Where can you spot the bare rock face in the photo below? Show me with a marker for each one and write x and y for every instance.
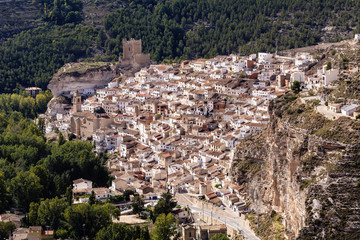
(75, 76)
(57, 105)
(305, 168)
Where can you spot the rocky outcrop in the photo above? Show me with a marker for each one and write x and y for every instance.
(57, 105)
(306, 168)
(75, 76)
(84, 75)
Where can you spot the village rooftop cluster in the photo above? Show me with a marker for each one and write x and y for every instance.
(176, 127)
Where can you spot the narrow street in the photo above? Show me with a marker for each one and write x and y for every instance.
(225, 216)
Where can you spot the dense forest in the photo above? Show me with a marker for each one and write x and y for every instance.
(32, 57)
(190, 29)
(170, 30)
(34, 168)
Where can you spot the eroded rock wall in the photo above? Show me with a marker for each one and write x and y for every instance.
(308, 173)
(75, 76)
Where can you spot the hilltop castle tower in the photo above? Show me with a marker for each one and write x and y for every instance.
(132, 54)
(131, 48)
(76, 102)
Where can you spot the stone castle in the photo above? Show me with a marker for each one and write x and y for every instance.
(132, 54)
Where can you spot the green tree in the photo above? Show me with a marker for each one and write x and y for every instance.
(122, 231)
(73, 160)
(4, 195)
(138, 205)
(6, 228)
(92, 198)
(42, 173)
(62, 233)
(41, 125)
(26, 188)
(71, 136)
(41, 103)
(50, 212)
(328, 66)
(69, 195)
(61, 139)
(80, 218)
(127, 194)
(165, 227)
(32, 216)
(164, 205)
(296, 87)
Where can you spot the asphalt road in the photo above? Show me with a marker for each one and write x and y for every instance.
(234, 222)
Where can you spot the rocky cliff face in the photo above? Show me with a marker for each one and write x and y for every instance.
(75, 76)
(305, 168)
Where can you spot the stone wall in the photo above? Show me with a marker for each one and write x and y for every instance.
(132, 54)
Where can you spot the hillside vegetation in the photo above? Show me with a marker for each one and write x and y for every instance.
(188, 29)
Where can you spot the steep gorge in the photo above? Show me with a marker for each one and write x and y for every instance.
(305, 168)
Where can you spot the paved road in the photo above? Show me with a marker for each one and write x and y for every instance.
(234, 222)
(322, 109)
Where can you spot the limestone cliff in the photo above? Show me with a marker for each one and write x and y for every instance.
(75, 76)
(306, 168)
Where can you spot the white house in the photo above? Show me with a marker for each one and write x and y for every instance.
(264, 56)
(82, 184)
(349, 110)
(181, 215)
(334, 107)
(329, 76)
(101, 193)
(357, 37)
(113, 84)
(298, 76)
(119, 184)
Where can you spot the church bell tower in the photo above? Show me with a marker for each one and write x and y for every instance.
(76, 102)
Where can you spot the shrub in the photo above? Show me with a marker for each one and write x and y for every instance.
(296, 87)
(71, 136)
(328, 66)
